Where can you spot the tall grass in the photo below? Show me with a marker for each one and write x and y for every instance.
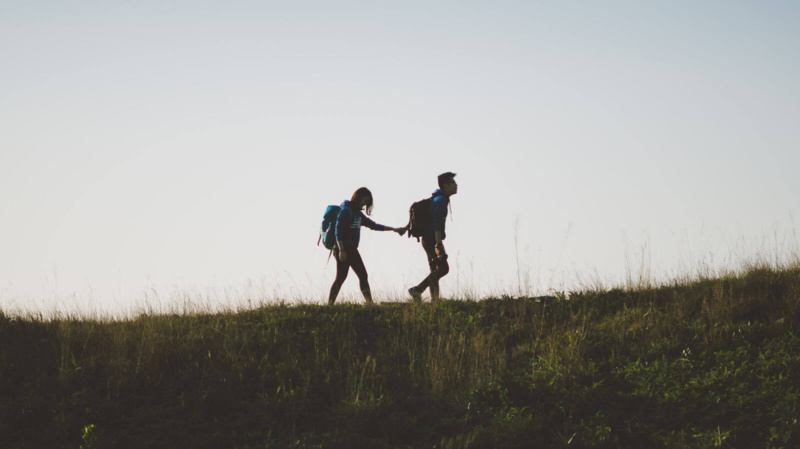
(695, 362)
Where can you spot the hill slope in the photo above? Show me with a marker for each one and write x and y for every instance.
(711, 363)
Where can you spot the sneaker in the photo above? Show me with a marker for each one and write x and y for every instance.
(416, 295)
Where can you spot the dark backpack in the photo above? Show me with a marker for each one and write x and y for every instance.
(419, 218)
(327, 233)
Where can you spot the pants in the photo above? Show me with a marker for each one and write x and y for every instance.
(342, 268)
(439, 269)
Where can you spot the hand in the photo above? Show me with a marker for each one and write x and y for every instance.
(400, 231)
(342, 256)
(440, 252)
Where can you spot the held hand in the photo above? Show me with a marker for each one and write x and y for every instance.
(400, 231)
(343, 256)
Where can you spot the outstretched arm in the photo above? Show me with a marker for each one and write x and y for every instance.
(366, 221)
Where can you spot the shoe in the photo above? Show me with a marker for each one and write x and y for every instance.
(416, 295)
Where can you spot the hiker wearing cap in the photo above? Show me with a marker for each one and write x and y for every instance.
(433, 238)
(348, 234)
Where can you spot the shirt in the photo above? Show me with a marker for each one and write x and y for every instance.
(349, 222)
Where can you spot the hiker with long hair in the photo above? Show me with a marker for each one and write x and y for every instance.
(433, 238)
(348, 234)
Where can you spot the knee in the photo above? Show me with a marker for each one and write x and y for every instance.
(439, 267)
(339, 280)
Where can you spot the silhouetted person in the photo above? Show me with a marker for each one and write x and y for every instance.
(433, 240)
(348, 234)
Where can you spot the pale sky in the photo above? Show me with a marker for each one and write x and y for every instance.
(189, 148)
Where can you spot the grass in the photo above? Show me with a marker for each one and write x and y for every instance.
(707, 362)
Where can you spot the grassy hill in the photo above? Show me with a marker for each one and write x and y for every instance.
(705, 363)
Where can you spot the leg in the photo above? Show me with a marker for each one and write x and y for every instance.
(357, 264)
(417, 291)
(341, 274)
(439, 269)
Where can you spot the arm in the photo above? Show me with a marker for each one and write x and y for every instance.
(439, 247)
(439, 213)
(342, 252)
(438, 217)
(343, 221)
(366, 221)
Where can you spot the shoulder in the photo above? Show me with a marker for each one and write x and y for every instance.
(344, 209)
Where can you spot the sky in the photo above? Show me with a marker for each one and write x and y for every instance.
(185, 151)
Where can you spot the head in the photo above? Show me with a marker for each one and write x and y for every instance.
(447, 182)
(362, 198)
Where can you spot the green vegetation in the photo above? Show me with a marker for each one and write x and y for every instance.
(704, 363)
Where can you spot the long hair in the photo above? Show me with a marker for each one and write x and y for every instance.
(359, 195)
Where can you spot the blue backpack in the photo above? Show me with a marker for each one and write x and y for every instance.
(327, 233)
